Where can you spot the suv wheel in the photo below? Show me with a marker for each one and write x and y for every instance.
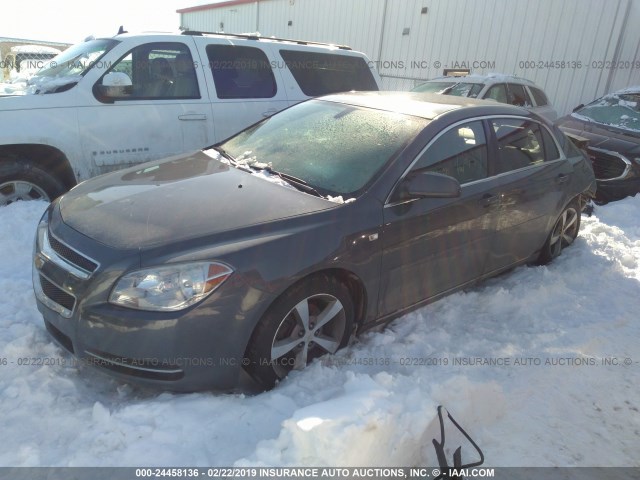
(26, 181)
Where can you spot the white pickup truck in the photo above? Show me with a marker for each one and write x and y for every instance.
(110, 103)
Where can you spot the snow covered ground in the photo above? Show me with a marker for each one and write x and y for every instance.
(552, 402)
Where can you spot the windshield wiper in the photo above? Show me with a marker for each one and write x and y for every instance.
(232, 160)
(290, 179)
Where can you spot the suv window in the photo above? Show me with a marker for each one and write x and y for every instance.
(539, 96)
(520, 144)
(518, 96)
(241, 72)
(460, 152)
(497, 92)
(324, 73)
(159, 71)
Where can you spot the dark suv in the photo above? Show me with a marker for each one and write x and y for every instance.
(612, 126)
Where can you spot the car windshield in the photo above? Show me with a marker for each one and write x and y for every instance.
(617, 110)
(335, 148)
(71, 64)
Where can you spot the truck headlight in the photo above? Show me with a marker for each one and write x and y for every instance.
(169, 288)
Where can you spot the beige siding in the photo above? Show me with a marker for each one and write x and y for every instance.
(483, 35)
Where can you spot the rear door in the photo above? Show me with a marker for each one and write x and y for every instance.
(534, 178)
(243, 84)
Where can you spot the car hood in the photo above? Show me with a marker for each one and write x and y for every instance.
(179, 198)
(603, 136)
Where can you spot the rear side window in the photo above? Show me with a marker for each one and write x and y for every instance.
(550, 149)
(539, 96)
(518, 96)
(460, 152)
(241, 72)
(324, 73)
(520, 144)
(498, 93)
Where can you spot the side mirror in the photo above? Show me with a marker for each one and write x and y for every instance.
(114, 85)
(429, 185)
(578, 107)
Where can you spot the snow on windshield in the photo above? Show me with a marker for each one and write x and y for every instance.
(620, 109)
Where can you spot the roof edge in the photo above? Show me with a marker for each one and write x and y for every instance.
(209, 6)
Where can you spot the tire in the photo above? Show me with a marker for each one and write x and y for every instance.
(22, 180)
(289, 335)
(564, 232)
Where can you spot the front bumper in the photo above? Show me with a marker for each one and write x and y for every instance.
(201, 347)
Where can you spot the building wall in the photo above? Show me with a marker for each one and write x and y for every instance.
(569, 48)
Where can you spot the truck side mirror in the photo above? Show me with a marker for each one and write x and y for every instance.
(114, 86)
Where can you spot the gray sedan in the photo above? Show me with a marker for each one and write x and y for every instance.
(232, 266)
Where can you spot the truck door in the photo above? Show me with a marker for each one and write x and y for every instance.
(159, 107)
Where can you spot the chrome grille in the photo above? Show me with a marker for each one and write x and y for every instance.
(71, 255)
(56, 294)
(608, 165)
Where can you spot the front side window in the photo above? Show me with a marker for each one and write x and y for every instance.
(520, 144)
(518, 95)
(460, 152)
(325, 73)
(241, 72)
(157, 71)
(338, 149)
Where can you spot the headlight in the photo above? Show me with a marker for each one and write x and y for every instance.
(169, 288)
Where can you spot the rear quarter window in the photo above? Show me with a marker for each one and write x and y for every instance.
(324, 73)
(539, 97)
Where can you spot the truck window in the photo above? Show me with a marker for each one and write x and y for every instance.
(241, 72)
(324, 73)
(159, 71)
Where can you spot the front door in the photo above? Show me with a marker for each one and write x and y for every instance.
(434, 245)
(164, 111)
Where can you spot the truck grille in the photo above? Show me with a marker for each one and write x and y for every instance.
(71, 255)
(56, 294)
(608, 165)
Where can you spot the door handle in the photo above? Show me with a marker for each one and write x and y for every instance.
(488, 200)
(192, 116)
(562, 178)
(268, 113)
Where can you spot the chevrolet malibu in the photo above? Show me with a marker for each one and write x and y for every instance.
(235, 265)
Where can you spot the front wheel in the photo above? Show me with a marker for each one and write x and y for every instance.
(26, 181)
(311, 319)
(564, 232)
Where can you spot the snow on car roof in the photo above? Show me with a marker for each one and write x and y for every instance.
(423, 105)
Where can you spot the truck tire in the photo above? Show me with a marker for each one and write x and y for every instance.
(22, 180)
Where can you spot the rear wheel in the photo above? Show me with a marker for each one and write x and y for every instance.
(26, 181)
(564, 232)
(311, 319)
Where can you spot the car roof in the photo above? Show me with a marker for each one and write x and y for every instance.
(488, 78)
(423, 105)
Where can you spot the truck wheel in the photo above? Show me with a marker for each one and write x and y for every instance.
(26, 181)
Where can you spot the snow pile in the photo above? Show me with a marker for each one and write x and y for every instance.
(541, 366)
